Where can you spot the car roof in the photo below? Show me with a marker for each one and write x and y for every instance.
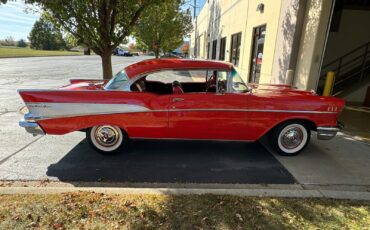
(152, 65)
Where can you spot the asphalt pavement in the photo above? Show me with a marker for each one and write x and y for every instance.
(70, 158)
(173, 162)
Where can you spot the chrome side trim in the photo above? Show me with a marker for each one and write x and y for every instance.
(41, 111)
(32, 127)
(44, 110)
(327, 133)
(30, 117)
(252, 110)
(37, 118)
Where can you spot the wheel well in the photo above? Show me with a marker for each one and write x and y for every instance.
(308, 123)
(85, 129)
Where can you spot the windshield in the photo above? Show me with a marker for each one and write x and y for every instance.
(117, 81)
(237, 83)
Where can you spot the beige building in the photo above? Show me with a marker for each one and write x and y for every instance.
(285, 41)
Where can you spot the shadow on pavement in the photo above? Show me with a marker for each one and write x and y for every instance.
(173, 162)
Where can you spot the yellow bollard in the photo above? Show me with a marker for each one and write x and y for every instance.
(329, 83)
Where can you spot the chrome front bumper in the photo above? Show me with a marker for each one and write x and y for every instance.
(327, 133)
(32, 127)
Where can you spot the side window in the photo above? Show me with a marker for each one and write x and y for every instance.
(216, 81)
(183, 81)
(172, 82)
(182, 76)
(222, 81)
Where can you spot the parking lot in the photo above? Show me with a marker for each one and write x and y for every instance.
(342, 161)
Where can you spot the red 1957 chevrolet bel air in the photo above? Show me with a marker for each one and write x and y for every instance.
(181, 99)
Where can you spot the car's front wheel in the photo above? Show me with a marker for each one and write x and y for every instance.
(107, 138)
(290, 138)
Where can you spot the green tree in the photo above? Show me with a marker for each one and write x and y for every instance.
(163, 26)
(71, 41)
(22, 43)
(45, 36)
(98, 24)
(141, 46)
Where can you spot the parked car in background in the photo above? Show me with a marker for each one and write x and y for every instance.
(170, 55)
(122, 52)
(181, 99)
(127, 54)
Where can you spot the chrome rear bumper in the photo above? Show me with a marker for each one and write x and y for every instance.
(32, 127)
(327, 133)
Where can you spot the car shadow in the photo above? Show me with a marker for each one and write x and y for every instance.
(156, 161)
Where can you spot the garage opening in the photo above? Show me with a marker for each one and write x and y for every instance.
(347, 51)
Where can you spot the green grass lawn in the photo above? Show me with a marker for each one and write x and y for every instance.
(11, 51)
(101, 211)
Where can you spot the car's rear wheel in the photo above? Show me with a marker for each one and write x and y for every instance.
(107, 138)
(290, 138)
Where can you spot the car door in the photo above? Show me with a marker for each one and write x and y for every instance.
(219, 115)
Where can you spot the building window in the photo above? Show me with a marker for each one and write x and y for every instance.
(208, 51)
(214, 49)
(257, 53)
(222, 49)
(235, 48)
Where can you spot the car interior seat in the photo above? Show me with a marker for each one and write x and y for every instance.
(176, 88)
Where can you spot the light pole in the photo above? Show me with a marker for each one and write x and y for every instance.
(195, 29)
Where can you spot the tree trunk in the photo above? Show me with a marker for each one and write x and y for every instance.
(156, 51)
(106, 58)
(87, 51)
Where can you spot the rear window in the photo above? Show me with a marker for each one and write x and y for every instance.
(117, 81)
(168, 76)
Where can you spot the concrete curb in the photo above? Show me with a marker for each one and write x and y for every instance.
(281, 193)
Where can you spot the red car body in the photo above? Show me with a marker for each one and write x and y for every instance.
(242, 116)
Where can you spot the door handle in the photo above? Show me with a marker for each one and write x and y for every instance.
(177, 99)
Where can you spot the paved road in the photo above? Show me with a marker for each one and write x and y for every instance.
(69, 158)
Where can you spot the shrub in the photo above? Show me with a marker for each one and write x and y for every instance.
(22, 43)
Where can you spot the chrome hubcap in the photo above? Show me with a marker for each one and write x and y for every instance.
(106, 136)
(292, 138)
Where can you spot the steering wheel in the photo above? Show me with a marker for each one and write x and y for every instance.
(140, 85)
(211, 83)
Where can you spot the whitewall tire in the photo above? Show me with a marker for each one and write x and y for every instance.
(290, 138)
(106, 138)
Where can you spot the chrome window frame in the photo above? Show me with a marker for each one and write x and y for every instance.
(126, 87)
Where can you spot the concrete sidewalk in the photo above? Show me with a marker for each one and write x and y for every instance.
(281, 191)
(341, 161)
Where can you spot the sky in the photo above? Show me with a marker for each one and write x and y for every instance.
(190, 4)
(15, 22)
